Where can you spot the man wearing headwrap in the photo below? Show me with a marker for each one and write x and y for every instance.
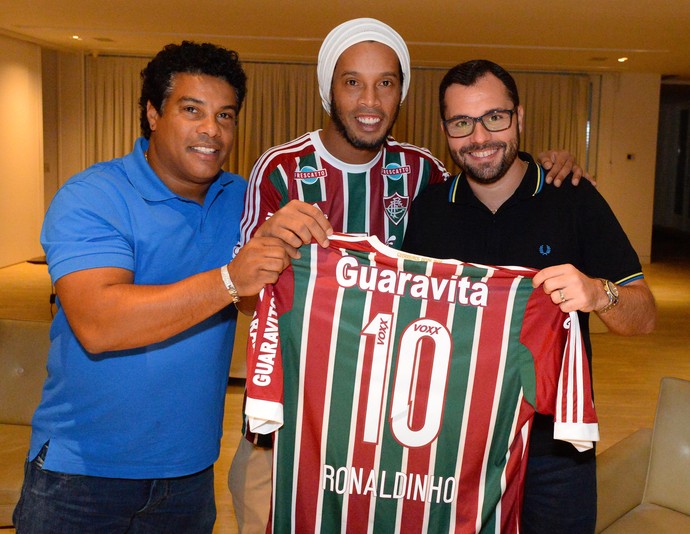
(351, 176)
(351, 33)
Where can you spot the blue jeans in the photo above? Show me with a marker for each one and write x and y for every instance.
(58, 503)
(560, 495)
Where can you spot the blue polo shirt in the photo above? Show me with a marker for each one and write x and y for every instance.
(155, 411)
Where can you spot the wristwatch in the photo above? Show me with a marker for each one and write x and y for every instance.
(611, 293)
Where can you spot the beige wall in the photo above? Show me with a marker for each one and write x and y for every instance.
(21, 157)
(49, 75)
(63, 118)
(71, 106)
(628, 126)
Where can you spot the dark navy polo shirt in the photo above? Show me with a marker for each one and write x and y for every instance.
(540, 225)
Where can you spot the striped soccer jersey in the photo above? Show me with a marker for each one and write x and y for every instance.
(404, 389)
(372, 198)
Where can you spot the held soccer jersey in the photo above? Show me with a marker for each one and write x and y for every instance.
(403, 389)
(372, 198)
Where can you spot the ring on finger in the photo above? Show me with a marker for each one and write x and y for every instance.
(562, 295)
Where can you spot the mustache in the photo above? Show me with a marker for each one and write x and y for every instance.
(369, 111)
(475, 147)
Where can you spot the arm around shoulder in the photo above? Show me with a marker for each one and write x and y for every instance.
(560, 164)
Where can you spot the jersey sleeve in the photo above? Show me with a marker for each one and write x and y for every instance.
(262, 199)
(439, 173)
(264, 386)
(575, 420)
(563, 380)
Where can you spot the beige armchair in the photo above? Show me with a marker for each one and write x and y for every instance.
(23, 353)
(644, 480)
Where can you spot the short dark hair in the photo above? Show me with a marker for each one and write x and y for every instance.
(192, 58)
(469, 72)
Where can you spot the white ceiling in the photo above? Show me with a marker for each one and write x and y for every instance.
(575, 35)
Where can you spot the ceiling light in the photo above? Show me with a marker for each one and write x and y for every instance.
(76, 38)
(622, 59)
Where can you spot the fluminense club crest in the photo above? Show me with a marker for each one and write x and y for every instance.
(396, 207)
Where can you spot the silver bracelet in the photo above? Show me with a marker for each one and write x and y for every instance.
(225, 275)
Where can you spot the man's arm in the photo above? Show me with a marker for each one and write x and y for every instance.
(295, 224)
(572, 290)
(107, 311)
(559, 164)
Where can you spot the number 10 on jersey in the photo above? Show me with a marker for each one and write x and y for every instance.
(405, 400)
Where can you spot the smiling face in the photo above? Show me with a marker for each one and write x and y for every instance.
(192, 136)
(484, 156)
(366, 95)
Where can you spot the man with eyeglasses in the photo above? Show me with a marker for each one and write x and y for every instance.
(500, 211)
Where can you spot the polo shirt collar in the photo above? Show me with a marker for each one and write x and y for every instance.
(531, 185)
(149, 185)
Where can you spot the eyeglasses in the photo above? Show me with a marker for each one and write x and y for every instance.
(494, 121)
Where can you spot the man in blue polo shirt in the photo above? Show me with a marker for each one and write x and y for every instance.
(140, 251)
(500, 211)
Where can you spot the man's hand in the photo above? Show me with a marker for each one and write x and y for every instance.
(296, 224)
(259, 262)
(570, 289)
(292, 226)
(559, 164)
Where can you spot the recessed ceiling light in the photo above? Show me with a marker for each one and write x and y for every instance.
(622, 59)
(76, 38)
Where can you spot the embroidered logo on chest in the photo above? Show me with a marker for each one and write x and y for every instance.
(395, 207)
(309, 175)
(395, 171)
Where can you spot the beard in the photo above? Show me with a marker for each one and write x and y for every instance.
(487, 173)
(350, 136)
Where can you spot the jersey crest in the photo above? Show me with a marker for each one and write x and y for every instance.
(396, 207)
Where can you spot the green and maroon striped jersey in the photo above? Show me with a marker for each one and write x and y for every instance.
(372, 198)
(403, 389)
